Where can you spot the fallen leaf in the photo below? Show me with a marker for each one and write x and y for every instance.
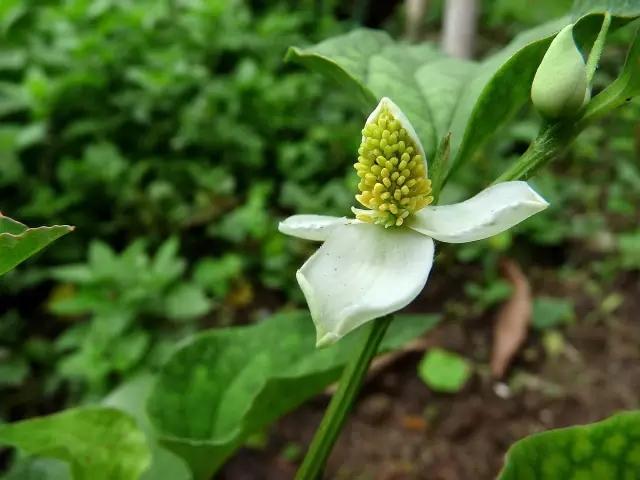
(415, 423)
(512, 321)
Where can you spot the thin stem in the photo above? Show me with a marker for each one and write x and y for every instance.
(598, 45)
(552, 141)
(336, 414)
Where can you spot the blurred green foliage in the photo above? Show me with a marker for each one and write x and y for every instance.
(142, 121)
(173, 136)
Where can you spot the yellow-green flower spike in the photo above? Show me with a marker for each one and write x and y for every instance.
(392, 169)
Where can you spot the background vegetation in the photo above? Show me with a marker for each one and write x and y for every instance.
(174, 137)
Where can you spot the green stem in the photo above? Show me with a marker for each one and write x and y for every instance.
(598, 45)
(552, 141)
(336, 413)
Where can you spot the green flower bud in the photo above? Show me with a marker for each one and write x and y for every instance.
(560, 87)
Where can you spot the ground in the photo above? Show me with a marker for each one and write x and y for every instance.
(401, 430)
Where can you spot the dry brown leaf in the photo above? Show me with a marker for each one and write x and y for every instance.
(415, 423)
(512, 321)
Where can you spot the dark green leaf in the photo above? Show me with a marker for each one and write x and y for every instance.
(605, 450)
(234, 381)
(99, 443)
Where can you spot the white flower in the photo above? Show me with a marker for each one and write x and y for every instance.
(379, 262)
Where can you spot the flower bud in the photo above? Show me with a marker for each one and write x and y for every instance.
(560, 87)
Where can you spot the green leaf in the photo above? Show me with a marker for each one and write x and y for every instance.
(618, 8)
(422, 81)
(444, 371)
(131, 398)
(18, 242)
(235, 381)
(623, 88)
(98, 443)
(605, 450)
(549, 312)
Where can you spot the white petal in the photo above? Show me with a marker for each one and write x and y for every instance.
(490, 212)
(406, 124)
(312, 227)
(363, 272)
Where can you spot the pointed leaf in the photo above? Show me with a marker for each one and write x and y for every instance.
(18, 242)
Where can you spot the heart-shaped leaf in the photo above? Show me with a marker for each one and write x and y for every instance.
(227, 383)
(603, 450)
(98, 443)
(18, 242)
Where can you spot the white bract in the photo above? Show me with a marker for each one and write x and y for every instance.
(379, 261)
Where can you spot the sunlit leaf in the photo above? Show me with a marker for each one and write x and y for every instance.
(98, 443)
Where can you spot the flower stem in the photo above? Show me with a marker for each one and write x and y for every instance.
(552, 141)
(336, 414)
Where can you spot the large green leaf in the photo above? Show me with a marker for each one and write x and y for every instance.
(420, 79)
(609, 449)
(440, 95)
(18, 242)
(98, 443)
(227, 383)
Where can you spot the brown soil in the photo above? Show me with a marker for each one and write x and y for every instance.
(399, 429)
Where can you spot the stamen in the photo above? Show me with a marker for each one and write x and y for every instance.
(394, 181)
